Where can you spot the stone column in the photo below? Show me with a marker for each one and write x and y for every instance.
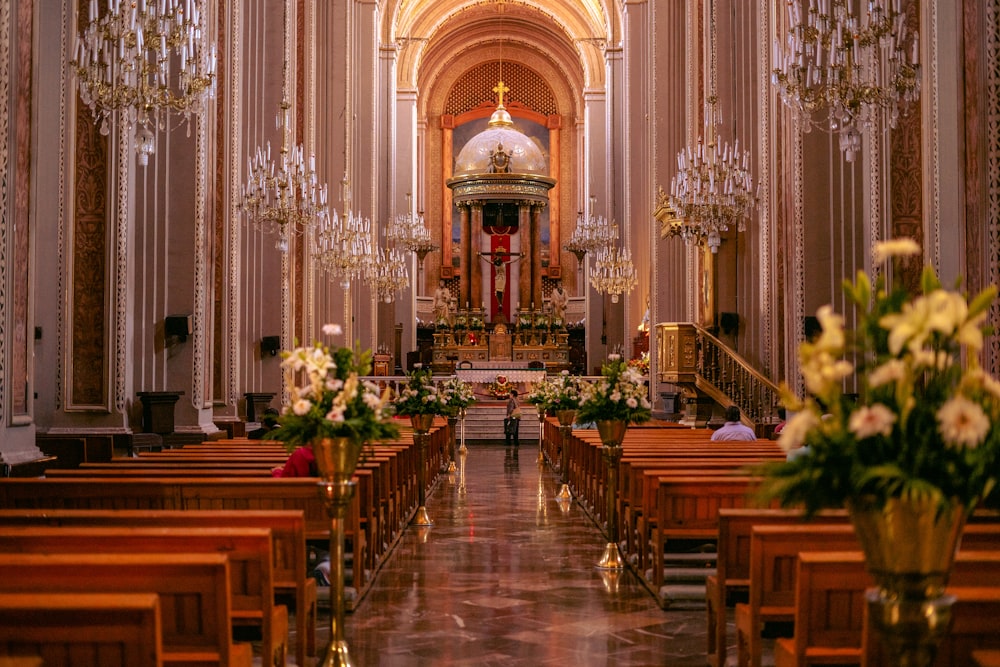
(473, 259)
(525, 226)
(465, 261)
(536, 255)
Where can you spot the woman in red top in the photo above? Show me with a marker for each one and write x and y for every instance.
(301, 463)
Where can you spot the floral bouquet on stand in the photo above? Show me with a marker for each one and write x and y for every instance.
(620, 395)
(911, 453)
(923, 423)
(457, 396)
(562, 392)
(420, 396)
(333, 401)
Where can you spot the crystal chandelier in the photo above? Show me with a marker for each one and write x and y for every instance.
(143, 58)
(411, 232)
(852, 68)
(344, 246)
(387, 273)
(283, 197)
(591, 233)
(713, 188)
(612, 272)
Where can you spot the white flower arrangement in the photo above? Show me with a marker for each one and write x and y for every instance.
(457, 395)
(619, 396)
(332, 400)
(924, 423)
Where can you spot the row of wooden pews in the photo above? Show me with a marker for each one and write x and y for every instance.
(199, 501)
(810, 576)
(672, 482)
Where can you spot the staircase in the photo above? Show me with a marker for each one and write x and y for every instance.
(484, 421)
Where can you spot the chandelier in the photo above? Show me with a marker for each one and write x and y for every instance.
(411, 232)
(387, 273)
(849, 67)
(283, 197)
(713, 188)
(612, 272)
(142, 58)
(591, 233)
(344, 246)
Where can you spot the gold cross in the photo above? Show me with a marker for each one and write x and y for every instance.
(500, 89)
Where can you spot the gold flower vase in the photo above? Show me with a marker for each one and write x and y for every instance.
(421, 426)
(612, 432)
(336, 459)
(909, 548)
(566, 419)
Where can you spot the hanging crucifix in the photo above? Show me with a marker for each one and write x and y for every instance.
(500, 259)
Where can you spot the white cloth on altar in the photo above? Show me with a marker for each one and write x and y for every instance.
(487, 375)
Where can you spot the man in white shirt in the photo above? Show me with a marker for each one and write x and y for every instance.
(734, 429)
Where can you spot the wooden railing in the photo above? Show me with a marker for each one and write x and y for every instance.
(688, 355)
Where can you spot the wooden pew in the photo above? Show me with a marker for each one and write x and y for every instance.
(733, 563)
(773, 559)
(288, 540)
(248, 549)
(830, 609)
(83, 629)
(687, 507)
(193, 591)
(775, 550)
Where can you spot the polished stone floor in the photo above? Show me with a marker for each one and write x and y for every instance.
(506, 576)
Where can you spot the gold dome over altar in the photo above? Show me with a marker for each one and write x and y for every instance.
(501, 148)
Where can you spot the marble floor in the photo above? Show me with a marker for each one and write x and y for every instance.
(506, 576)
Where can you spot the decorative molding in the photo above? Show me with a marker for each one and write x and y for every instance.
(122, 283)
(5, 182)
(198, 359)
(234, 289)
(765, 239)
(64, 80)
(797, 301)
(991, 249)
(933, 216)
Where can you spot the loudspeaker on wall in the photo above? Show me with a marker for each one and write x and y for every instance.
(180, 326)
(269, 346)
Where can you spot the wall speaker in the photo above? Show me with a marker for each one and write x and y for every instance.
(729, 323)
(811, 327)
(269, 346)
(179, 326)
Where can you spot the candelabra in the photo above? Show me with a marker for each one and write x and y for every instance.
(851, 67)
(712, 190)
(613, 272)
(143, 59)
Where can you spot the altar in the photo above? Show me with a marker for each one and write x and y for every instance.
(488, 372)
(535, 349)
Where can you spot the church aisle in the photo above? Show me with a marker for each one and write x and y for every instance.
(506, 577)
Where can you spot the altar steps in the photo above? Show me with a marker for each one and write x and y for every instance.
(484, 421)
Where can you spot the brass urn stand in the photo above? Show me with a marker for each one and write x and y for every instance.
(612, 433)
(421, 426)
(452, 424)
(336, 459)
(566, 419)
(909, 548)
(541, 434)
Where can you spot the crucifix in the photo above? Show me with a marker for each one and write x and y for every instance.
(500, 259)
(500, 89)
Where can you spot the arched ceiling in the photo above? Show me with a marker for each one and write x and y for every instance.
(430, 32)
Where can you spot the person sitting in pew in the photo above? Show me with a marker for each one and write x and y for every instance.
(734, 429)
(301, 463)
